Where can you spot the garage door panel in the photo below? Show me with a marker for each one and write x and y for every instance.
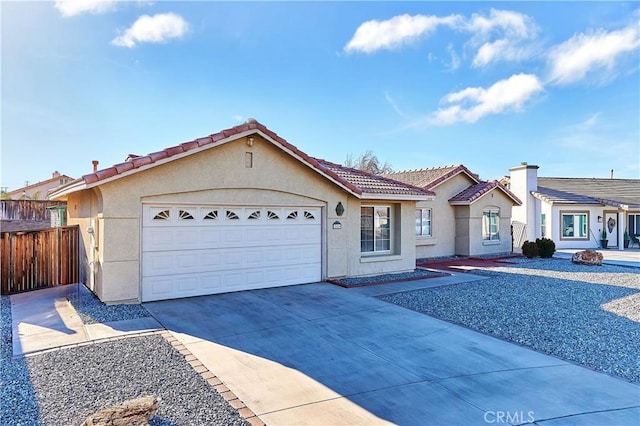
(196, 250)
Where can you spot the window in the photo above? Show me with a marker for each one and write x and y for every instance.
(375, 229)
(491, 225)
(162, 215)
(184, 215)
(423, 222)
(543, 225)
(212, 215)
(574, 225)
(634, 224)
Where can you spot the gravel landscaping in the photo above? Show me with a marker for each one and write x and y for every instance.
(583, 314)
(63, 387)
(417, 274)
(92, 311)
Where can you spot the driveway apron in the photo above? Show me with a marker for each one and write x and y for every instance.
(321, 354)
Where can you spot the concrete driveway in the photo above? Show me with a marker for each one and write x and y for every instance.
(324, 355)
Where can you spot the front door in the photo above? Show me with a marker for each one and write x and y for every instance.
(611, 225)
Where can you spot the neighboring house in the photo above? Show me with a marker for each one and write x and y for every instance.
(39, 190)
(237, 210)
(30, 215)
(574, 211)
(468, 217)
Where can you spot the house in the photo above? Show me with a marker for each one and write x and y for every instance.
(39, 190)
(237, 210)
(574, 211)
(468, 217)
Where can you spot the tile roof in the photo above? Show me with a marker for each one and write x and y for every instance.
(359, 183)
(430, 178)
(623, 193)
(370, 183)
(474, 192)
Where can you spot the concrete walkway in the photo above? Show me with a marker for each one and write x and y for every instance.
(44, 319)
(319, 354)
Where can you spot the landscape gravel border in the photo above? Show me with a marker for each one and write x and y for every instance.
(550, 305)
(65, 385)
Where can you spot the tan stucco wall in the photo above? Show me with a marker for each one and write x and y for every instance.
(443, 240)
(219, 176)
(476, 246)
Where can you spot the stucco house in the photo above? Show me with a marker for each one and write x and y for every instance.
(39, 190)
(574, 211)
(468, 217)
(239, 209)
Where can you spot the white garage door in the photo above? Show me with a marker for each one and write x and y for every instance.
(198, 250)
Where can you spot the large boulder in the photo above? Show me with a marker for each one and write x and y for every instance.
(135, 412)
(587, 257)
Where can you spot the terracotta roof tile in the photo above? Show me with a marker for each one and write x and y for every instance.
(354, 180)
(157, 156)
(474, 192)
(142, 161)
(106, 173)
(432, 177)
(123, 167)
(373, 184)
(187, 146)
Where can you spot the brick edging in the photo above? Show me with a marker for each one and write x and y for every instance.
(213, 380)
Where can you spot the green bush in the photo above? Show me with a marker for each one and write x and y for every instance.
(546, 247)
(530, 249)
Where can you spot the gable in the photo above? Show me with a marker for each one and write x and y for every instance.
(247, 134)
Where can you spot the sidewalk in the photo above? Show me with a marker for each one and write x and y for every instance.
(44, 319)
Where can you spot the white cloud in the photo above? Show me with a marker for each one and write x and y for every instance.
(473, 103)
(76, 7)
(501, 50)
(513, 24)
(500, 35)
(395, 106)
(571, 61)
(153, 29)
(455, 59)
(395, 32)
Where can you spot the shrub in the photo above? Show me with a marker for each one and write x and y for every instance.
(530, 249)
(546, 247)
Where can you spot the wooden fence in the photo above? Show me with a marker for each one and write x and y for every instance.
(38, 259)
(28, 209)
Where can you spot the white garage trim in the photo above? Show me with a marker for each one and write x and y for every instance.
(193, 250)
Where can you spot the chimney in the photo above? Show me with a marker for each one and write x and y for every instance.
(611, 173)
(55, 175)
(95, 165)
(523, 180)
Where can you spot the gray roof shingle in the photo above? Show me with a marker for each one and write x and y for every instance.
(615, 192)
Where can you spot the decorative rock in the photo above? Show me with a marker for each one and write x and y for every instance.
(135, 412)
(587, 257)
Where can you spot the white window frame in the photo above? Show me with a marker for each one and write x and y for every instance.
(487, 233)
(543, 225)
(420, 222)
(377, 230)
(584, 235)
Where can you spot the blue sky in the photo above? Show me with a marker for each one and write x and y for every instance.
(421, 84)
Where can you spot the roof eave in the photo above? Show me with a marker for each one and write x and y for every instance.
(77, 185)
(395, 197)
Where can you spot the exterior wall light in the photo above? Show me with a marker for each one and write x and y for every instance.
(339, 209)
